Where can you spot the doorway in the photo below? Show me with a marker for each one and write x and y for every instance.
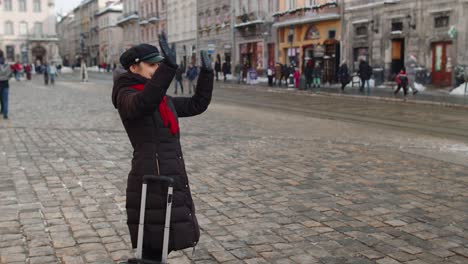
(442, 63)
(398, 55)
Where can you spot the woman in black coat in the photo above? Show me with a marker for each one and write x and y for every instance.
(343, 75)
(150, 120)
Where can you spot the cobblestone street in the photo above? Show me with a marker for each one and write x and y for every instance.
(277, 177)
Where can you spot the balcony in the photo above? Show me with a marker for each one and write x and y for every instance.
(248, 20)
(128, 17)
(42, 37)
(153, 18)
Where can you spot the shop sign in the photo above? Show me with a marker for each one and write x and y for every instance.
(312, 33)
(319, 51)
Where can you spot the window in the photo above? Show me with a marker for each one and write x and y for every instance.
(397, 26)
(271, 6)
(7, 5)
(10, 52)
(361, 30)
(22, 5)
(37, 6)
(23, 28)
(9, 28)
(290, 4)
(38, 28)
(310, 2)
(441, 21)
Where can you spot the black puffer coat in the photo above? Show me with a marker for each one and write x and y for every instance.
(155, 148)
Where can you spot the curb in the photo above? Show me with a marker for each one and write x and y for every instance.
(357, 97)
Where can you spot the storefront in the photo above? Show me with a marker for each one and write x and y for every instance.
(316, 41)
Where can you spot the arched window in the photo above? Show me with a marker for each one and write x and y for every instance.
(38, 28)
(37, 6)
(22, 5)
(9, 28)
(23, 28)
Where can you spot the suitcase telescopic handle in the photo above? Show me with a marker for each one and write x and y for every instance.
(158, 179)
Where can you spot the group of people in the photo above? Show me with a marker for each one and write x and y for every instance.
(49, 71)
(190, 74)
(225, 68)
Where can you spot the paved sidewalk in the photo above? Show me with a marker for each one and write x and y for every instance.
(270, 186)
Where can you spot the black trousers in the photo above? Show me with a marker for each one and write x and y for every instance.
(270, 80)
(405, 89)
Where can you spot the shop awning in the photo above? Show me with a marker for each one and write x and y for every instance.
(305, 20)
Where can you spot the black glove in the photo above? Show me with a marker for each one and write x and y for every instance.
(205, 61)
(168, 53)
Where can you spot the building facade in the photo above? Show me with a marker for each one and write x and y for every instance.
(387, 33)
(68, 39)
(310, 31)
(182, 29)
(27, 31)
(152, 20)
(215, 28)
(110, 35)
(254, 35)
(129, 23)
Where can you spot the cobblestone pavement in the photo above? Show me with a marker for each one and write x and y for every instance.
(271, 185)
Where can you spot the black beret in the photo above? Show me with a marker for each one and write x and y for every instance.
(142, 52)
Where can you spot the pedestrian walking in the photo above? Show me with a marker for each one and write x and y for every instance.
(179, 80)
(150, 119)
(245, 70)
(270, 74)
(238, 72)
(278, 74)
(52, 70)
(191, 75)
(225, 69)
(411, 72)
(402, 82)
(45, 72)
(365, 73)
(343, 75)
(27, 70)
(218, 66)
(297, 76)
(308, 72)
(5, 75)
(317, 75)
(18, 69)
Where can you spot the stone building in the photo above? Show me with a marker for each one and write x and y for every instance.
(387, 33)
(309, 31)
(254, 36)
(88, 30)
(182, 29)
(129, 23)
(110, 35)
(27, 31)
(152, 20)
(215, 31)
(68, 39)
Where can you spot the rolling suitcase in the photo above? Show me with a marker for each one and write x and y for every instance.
(161, 180)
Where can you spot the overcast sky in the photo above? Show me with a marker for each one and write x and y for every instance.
(65, 5)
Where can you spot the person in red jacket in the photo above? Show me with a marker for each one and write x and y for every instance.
(402, 82)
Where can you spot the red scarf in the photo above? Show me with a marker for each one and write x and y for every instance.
(167, 116)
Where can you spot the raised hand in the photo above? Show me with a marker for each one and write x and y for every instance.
(205, 61)
(168, 53)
